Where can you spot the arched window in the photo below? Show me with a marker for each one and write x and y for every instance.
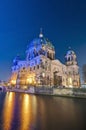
(68, 58)
(34, 67)
(23, 68)
(37, 66)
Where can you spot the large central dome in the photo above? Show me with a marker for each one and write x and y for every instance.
(41, 40)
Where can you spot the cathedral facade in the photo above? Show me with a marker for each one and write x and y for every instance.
(40, 68)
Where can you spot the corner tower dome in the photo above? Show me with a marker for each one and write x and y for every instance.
(16, 60)
(70, 57)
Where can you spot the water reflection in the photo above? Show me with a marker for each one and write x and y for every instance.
(25, 117)
(30, 112)
(19, 112)
(8, 110)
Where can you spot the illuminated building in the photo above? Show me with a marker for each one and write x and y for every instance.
(40, 68)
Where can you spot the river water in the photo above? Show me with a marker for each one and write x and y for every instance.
(20, 111)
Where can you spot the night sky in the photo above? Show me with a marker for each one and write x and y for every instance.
(63, 23)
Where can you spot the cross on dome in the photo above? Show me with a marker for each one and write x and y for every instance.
(41, 34)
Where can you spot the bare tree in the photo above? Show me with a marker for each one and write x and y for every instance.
(84, 72)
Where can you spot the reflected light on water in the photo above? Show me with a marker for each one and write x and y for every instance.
(34, 105)
(8, 110)
(29, 112)
(25, 116)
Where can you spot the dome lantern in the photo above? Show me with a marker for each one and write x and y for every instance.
(41, 34)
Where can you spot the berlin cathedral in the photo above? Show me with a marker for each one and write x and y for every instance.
(40, 68)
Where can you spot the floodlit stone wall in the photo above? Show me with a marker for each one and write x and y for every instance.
(62, 91)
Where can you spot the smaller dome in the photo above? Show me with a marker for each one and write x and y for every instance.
(70, 52)
(16, 59)
(70, 57)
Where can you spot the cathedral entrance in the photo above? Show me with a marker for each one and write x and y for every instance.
(57, 79)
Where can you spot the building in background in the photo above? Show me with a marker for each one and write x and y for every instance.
(40, 68)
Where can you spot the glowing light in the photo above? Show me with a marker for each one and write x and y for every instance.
(40, 35)
(30, 80)
(8, 84)
(34, 82)
(13, 82)
(25, 116)
(43, 74)
(13, 79)
(38, 81)
(25, 87)
(8, 110)
(70, 82)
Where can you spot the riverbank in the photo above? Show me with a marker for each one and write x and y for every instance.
(61, 92)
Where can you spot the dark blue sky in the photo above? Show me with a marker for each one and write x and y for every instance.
(63, 22)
